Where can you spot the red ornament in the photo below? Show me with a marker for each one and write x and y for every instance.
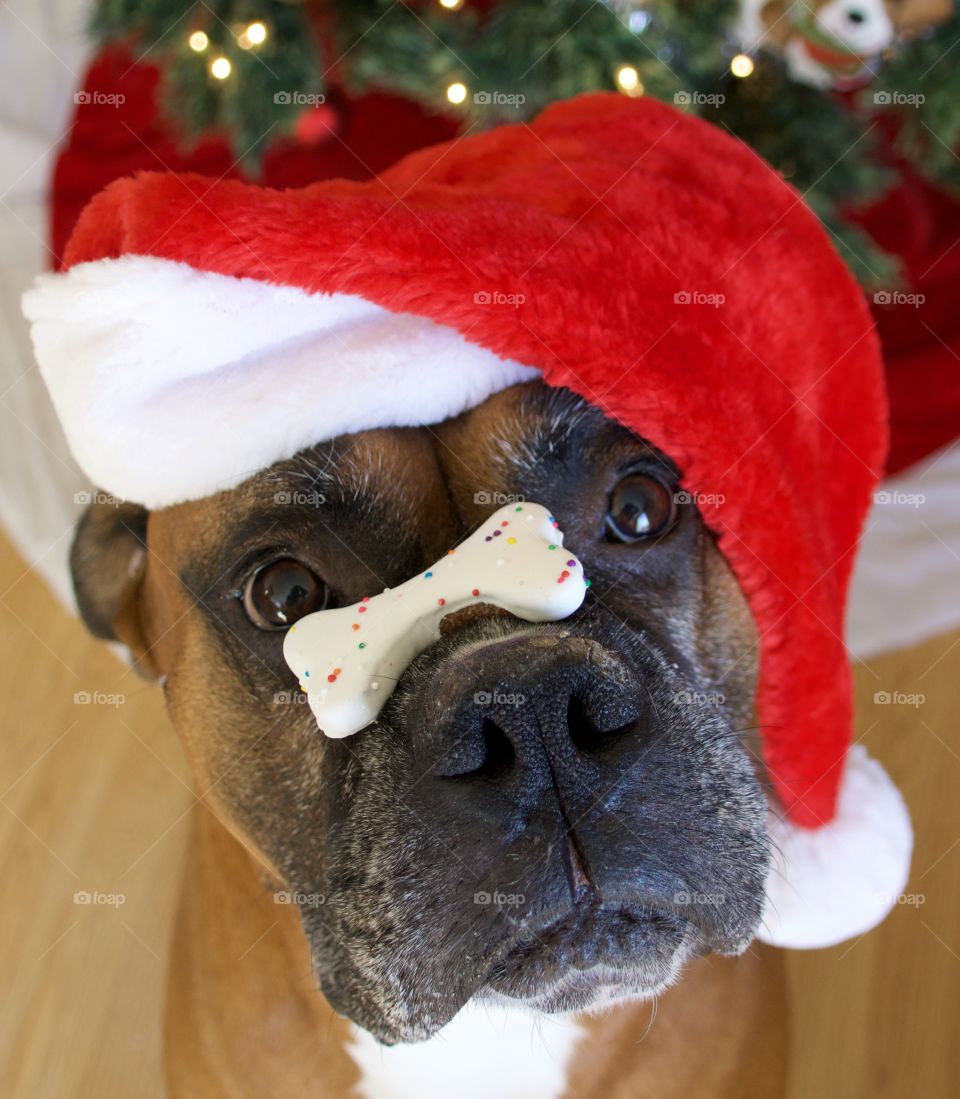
(316, 125)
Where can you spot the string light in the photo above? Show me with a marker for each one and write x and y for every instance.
(198, 41)
(257, 33)
(254, 34)
(628, 80)
(456, 92)
(741, 65)
(220, 68)
(451, 5)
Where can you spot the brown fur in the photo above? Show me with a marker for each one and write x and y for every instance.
(245, 1016)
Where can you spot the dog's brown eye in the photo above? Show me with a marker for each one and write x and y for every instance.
(640, 507)
(278, 594)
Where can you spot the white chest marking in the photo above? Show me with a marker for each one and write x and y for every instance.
(486, 1052)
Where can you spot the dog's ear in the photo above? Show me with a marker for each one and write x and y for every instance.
(108, 560)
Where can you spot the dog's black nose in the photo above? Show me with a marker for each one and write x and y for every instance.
(524, 712)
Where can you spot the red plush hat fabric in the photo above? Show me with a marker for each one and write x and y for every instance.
(639, 257)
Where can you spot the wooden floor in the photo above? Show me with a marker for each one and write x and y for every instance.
(95, 800)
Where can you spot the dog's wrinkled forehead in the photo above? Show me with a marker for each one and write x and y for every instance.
(379, 503)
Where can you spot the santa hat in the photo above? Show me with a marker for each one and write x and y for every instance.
(202, 330)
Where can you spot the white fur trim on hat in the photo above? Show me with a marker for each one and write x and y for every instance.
(838, 881)
(174, 383)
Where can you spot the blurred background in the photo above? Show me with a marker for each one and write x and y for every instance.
(855, 102)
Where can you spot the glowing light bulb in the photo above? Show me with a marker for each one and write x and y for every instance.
(256, 34)
(451, 5)
(198, 41)
(456, 92)
(628, 80)
(741, 65)
(220, 68)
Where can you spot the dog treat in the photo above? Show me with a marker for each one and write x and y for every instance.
(348, 659)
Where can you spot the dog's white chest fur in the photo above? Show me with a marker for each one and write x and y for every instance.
(485, 1052)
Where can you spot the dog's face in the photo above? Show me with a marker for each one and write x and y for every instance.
(555, 814)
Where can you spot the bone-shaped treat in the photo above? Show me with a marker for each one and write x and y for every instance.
(349, 659)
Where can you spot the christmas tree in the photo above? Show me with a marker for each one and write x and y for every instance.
(255, 69)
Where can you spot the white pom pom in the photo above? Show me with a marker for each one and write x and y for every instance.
(832, 883)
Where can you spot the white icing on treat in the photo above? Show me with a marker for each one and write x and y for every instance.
(349, 659)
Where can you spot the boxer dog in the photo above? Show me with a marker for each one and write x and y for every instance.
(591, 821)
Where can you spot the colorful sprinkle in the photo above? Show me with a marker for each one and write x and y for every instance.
(497, 533)
(306, 675)
(565, 573)
(511, 541)
(366, 598)
(489, 538)
(331, 679)
(551, 546)
(427, 575)
(587, 583)
(355, 626)
(518, 508)
(572, 562)
(476, 591)
(361, 610)
(362, 645)
(505, 523)
(441, 602)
